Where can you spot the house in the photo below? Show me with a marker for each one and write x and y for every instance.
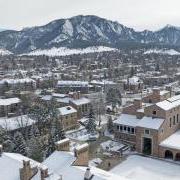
(14, 166)
(153, 129)
(74, 164)
(68, 117)
(21, 84)
(9, 106)
(70, 86)
(13, 124)
(133, 84)
(82, 105)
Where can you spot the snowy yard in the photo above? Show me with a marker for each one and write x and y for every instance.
(80, 135)
(142, 168)
(95, 162)
(112, 146)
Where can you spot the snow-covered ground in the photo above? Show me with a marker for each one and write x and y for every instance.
(162, 51)
(111, 146)
(80, 135)
(63, 51)
(95, 162)
(4, 52)
(142, 168)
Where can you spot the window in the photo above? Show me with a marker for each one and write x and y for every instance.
(124, 128)
(146, 131)
(121, 128)
(177, 118)
(174, 120)
(132, 130)
(170, 122)
(117, 127)
(129, 129)
(162, 131)
(154, 112)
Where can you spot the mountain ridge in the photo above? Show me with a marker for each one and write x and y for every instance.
(85, 31)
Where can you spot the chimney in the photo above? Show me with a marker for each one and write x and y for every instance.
(26, 172)
(82, 155)
(156, 91)
(88, 175)
(63, 145)
(137, 103)
(44, 173)
(1, 150)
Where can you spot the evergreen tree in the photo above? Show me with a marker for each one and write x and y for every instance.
(91, 124)
(110, 125)
(20, 144)
(6, 140)
(41, 116)
(35, 150)
(56, 131)
(113, 96)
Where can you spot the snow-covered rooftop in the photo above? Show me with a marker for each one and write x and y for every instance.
(61, 163)
(57, 95)
(10, 163)
(67, 110)
(150, 122)
(163, 92)
(85, 145)
(16, 122)
(134, 80)
(104, 82)
(143, 168)
(169, 103)
(17, 81)
(127, 120)
(80, 101)
(73, 83)
(172, 142)
(9, 101)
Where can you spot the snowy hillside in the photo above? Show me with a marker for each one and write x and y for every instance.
(4, 52)
(162, 51)
(62, 51)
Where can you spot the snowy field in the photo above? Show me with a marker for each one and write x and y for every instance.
(161, 51)
(4, 52)
(63, 51)
(142, 168)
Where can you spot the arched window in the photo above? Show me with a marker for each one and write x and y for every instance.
(177, 157)
(168, 154)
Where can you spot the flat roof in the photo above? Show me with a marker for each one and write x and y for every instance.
(127, 120)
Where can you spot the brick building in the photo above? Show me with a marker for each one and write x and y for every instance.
(152, 128)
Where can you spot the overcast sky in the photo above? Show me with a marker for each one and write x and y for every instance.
(139, 14)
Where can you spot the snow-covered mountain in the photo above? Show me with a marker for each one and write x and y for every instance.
(82, 32)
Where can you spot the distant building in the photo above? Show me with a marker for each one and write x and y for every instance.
(82, 105)
(71, 86)
(68, 117)
(9, 106)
